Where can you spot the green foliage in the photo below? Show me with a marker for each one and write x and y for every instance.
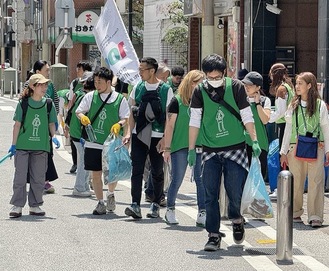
(177, 35)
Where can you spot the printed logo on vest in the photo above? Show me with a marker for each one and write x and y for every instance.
(35, 124)
(220, 124)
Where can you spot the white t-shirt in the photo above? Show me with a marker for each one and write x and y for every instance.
(150, 87)
(85, 105)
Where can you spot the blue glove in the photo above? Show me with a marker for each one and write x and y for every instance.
(56, 142)
(82, 141)
(255, 148)
(12, 150)
(56, 126)
(191, 157)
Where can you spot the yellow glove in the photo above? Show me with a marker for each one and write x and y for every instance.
(115, 129)
(63, 124)
(85, 120)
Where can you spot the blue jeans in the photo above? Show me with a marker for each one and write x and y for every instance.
(82, 177)
(178, 169)
(234, 180)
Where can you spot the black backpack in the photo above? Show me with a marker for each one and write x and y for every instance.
(25, 105)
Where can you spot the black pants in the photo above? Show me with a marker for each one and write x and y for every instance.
(74, 152)
(139, 152)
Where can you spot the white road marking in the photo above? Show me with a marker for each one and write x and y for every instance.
(7, 108)
(261, 263)
(311, 263)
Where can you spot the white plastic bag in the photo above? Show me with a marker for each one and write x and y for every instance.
(255, 199)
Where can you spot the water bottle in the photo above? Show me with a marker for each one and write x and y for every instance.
(91, 134)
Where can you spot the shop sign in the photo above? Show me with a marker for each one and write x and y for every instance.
(83, 30)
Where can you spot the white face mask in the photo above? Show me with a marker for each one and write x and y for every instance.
(216, 83)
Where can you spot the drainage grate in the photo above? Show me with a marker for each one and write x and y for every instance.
(270, 251)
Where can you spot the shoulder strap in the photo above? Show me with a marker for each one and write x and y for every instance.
(100, 108)
(49, 106)
(24, 105)
(231, 109)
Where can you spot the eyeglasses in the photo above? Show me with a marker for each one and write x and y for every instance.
(218, 78)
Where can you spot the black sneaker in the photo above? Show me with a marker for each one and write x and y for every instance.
(73, 169)
(238, 233)
(213, 244)
(134, 211)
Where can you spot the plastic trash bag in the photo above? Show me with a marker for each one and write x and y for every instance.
(255, 200)
(273, 164)
(116, 162)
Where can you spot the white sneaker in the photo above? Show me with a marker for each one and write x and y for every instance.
(274, 195)
(110, 202)
(170, 217)
(201, 219)
(15, 211)
(81, 194)
(37, 211)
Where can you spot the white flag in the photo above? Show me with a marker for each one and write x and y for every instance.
(113, 41)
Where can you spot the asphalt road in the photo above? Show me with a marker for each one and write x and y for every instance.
(69, 237)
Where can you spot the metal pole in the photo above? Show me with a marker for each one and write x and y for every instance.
(130, 19)
(11, 89)
(65, 29)
(2, 87)
(16, 49)
(284, 218)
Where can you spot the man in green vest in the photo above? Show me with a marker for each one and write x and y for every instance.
(106, 111)
(149, 100)
(177, 73)
(220, 110)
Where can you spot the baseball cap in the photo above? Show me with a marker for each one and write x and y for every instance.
(253, 78)
(85, 76)
(37, 78)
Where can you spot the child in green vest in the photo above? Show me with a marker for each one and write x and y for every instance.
(261, 108)
(30, 146)
(307, 116)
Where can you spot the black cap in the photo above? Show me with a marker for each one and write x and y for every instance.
(253, 78)
(242, 73)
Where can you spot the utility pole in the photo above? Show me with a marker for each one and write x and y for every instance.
(207, 44)
(130, 19)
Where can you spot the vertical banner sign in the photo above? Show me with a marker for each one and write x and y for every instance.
(113, 41)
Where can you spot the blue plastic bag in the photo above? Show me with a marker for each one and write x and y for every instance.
(273, 164)
(116, 162)
(255, 199)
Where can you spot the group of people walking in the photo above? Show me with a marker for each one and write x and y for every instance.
(204, 120)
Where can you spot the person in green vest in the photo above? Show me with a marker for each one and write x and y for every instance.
(111, 118)
(75, 85)
(81, 186)
(220, 110)
(30, 146)
(307, 116)
(148, 101)
(176, 148)
(176, 77)
(63, 103)
(261, 110)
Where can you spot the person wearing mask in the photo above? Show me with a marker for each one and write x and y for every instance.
(176, 147)
(113, 115)
(307, 116)
(220, 112)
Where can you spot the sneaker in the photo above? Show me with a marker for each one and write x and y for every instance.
(316, 224)
(154, 211)
(148, 198)
(100, 209)
(297, 220)
(170, 217)
(110, 202)
(163, 202)
(81, 194)
(201, 219)
(37, 211)
(134, 211)
(49, 189)
(273, 196)
(73, 169)
(15, 211)
(213, 244)
(238, 233)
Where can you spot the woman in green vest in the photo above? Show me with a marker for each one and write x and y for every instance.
(176, 147)
(261, 109)
(31, 146)
(307, 116)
